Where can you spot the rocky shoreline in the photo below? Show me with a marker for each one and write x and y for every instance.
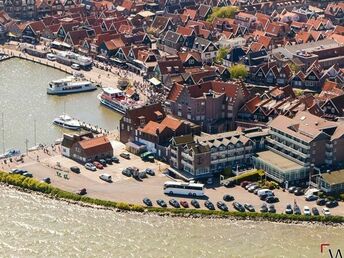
(171, 214)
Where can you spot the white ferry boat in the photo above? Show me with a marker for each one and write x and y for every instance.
(117, 100)
(67, 122)
(69, 58)
(70, 84)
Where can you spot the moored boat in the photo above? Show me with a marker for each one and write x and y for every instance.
(67, 122)
(70, 84)
(117, 100)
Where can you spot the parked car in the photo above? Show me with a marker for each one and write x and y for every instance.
(90, 166)
(103, 162)
(288, 209)
(106, 177)
(252, 188)
(195, 203)
(81, 191)
(229, 184)
(272, 199)
(115, 159)
(27, 174)
(263, 197)
(321, 202)
(174, 203)
(222, 206)
(298, 191)
(271, 208)
(307, 210)
(18, 171)
(249, 207)
(75, 67)
(249, 185)
(161, 203)
(126, 172)
(184, 204)
(311, 198)
(297, 210)
(75, 169)
(209, 205)
(244, 183)
(46, 180)
(315, 211)
(238, 207)
(228, 198)
(108, 161)
(331, 204)
(256, 190)
(265, 192)
(98, 165)
(291, 189)
(147, 202)
(263, 208)
(150, 171)
(326, 211)
(125, 155)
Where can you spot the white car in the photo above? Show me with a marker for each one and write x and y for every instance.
(106, 177)
(90, 166)
(307, 210)
(326, 211)
(75, 67)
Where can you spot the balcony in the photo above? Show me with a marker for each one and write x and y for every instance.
(290, 140)
(283, 146)
(288, 157)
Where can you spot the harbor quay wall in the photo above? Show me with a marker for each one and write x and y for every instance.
(14, 53)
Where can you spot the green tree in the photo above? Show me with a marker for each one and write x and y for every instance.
(221, 54)
(238, 71)
(294, 67)
(222, 12)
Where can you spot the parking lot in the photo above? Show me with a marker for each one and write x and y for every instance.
(128, 189)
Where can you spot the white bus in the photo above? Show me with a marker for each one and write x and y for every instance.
(182, 188)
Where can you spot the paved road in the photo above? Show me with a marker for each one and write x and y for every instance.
(130, 190)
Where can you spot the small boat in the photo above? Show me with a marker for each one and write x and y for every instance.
(117, 100)
(71, 84)
(67, 122)
(10, 153)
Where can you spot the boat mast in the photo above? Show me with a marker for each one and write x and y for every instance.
(3, 132)
(35, 132)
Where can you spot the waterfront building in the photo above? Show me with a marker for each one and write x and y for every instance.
(156, 136)
(139, 117)
(86, 147)
(207, 156)
(302, 144)
(213, 105)
(331, 182)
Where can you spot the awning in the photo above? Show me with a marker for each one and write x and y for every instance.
(155, 81)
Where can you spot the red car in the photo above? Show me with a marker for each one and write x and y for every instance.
(184, 204)
(98, 165)
(244, 183)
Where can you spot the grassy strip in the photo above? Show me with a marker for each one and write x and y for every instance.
(34, 185)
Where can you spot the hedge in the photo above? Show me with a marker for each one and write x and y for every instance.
(34, 185)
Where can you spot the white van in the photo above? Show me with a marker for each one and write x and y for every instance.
(51, 57)
(106, 177)
(264, 191)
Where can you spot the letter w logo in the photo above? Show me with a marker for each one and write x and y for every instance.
(338, 254)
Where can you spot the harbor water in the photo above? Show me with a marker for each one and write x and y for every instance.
(23, 99)
(34, 226)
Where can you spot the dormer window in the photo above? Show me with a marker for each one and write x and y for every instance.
(142, 120)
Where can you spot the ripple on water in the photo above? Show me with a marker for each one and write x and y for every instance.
(32, 225)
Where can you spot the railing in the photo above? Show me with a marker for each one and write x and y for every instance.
(290, 140)
(303, 155)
